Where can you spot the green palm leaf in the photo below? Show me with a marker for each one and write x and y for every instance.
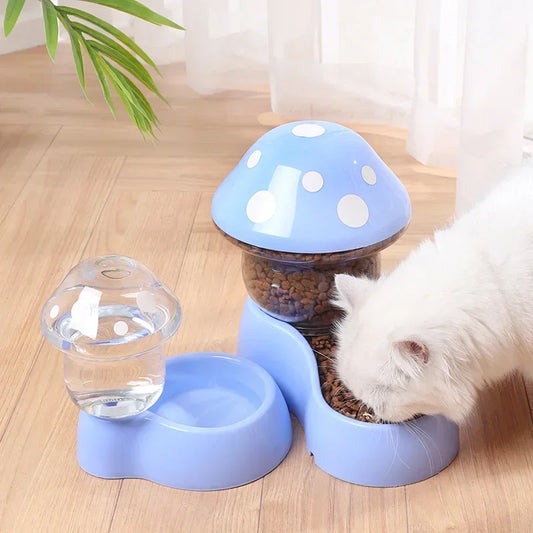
(50, 27)
(130, 64)
(135, 110)
(76, 49)
(96, 61)
(109, 28)
(140, 100)
(138, 10)
(119, 54)
(13, 9)
(113, 55)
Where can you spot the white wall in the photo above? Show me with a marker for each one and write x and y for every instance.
(27, 33)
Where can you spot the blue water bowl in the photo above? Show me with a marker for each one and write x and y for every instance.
(378, 455)
(220, 422)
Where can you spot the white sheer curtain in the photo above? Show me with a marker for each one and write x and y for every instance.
(455, 73)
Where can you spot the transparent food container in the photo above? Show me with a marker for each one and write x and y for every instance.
(298, 288)
(110, 317)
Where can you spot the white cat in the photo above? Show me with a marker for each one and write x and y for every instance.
(455, 315)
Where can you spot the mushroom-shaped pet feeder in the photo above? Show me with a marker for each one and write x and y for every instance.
(307, 201)
(200, 421)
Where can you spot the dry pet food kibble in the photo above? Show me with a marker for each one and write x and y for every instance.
(298, 287)
(297, 292)
(334, 392)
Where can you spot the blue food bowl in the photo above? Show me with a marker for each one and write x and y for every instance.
(220, 422)
(376, 455)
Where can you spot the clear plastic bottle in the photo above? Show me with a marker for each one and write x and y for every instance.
(110, 317)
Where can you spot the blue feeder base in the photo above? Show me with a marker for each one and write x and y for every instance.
(220, 422)
(377, 455)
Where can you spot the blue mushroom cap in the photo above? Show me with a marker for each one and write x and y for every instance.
(311, 187)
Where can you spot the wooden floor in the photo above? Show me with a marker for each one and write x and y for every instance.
(75, 183)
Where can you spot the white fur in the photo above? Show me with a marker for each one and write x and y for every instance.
(465, 298)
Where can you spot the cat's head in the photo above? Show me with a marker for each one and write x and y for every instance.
(392, 359)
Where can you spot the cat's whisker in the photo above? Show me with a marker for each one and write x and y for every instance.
(336, 393)
(416, 431)
(414, 425)
(411, 430)
(393, 429)
(323, 355)
(428, 437)
(390, 441)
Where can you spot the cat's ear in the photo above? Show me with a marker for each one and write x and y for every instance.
(351, 291)
(413, 347)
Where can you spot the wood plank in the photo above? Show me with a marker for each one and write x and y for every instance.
(42, 487)
(48, 93)
(47, 227)
(186, 173)
(38, 465)
(145, 507)
(299, 497)
(488, 487)
(207, 141)
(21, 149)
(210, 289)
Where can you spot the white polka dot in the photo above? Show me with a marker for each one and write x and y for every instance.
(312, 181)
(253, 159)
(146, 302)
(369, 175)
(352, 210)
(261, 207)
(120, 328)
(54, 311)
(308, 130)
